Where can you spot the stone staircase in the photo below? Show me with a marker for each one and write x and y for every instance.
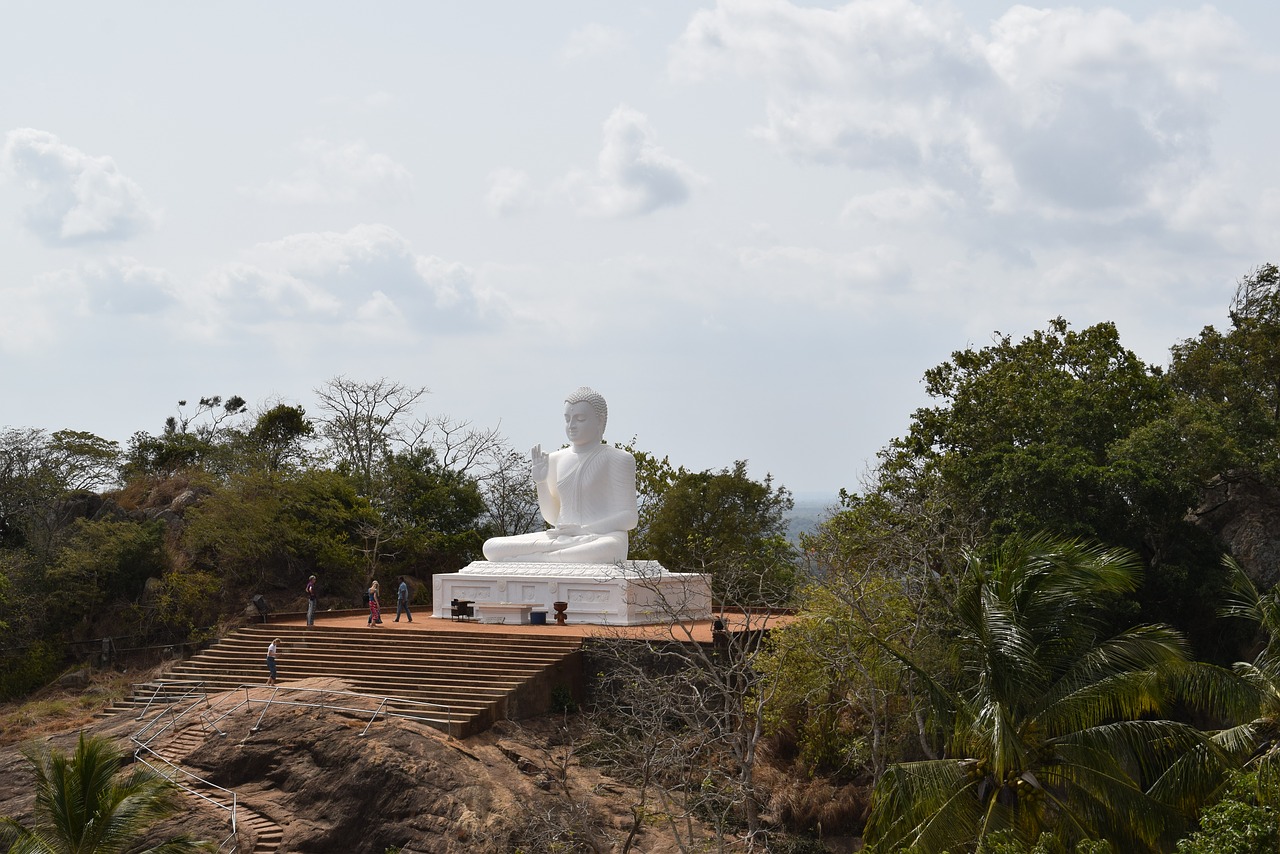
(470, 680)
(267, 835)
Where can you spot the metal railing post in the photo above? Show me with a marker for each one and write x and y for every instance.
(381, 706)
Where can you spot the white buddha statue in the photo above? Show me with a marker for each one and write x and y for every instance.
(587, 492)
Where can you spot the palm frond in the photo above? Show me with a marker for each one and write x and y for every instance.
(918, 804)
(1097, 798)
(85, 803)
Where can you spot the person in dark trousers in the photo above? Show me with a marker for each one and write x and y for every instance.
(311, 601)
(272, 648)
(402, 601)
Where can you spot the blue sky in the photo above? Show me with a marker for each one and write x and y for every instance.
(752, 224)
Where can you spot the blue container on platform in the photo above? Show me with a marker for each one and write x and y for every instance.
(537, 618)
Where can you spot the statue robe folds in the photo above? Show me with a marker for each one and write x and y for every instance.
(590, 497)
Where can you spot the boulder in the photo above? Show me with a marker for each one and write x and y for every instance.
(1244, 514)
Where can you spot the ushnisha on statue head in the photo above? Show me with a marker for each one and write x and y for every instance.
(585, 416)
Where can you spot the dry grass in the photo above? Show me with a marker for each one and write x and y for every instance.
(816, 805)
(54, 710)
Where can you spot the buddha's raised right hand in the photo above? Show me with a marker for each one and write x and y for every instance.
(539, 460)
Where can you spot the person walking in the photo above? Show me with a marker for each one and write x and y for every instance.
(402, 601)
(375, 612)
(272, 649)
(311, 601)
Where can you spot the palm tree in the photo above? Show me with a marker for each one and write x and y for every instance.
(85, 804)
(1253, 695)
(1047, 725)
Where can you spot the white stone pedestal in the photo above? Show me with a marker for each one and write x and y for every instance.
(630, 593)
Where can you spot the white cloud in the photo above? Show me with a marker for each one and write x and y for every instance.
(332, 173)
(253, 294)
(379, 100)
(634, 175)
(510, 193)
(126, 287)
(907, 205)
(820, 277)
(82, 302)
(330, 277)
(34, 315)
(593, 40)
(1054, 112)
(80, 198)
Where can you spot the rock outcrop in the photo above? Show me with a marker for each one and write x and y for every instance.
(1244, 514)
(400, 786)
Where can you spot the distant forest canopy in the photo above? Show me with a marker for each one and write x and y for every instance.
(1064, 431)
(1044, 621)
(164, 538)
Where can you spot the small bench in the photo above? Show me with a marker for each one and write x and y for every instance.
(499, 612)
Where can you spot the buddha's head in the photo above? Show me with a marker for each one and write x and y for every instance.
(585, 414)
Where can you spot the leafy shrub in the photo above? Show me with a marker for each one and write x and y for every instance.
(562, 700)
(1237, 824)
(1004, 842)
(32, 669)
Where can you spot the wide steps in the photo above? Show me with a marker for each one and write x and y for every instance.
(230, 675)
(467, 678)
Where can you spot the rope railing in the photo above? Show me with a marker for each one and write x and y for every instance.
(159, 688)
(165, 721)
(172, 772)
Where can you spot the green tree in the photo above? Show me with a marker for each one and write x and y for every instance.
(1236, 376)
(431, 513)
(1047, 843)
(1251, 696)
(1067, 431)
(1052, 725)
(163, 456)
(1242, 822)
(654, 477)
(39, 474)
(841, 698)
(1025, 429)
(731, 526)
(105, 562)
(207, 439)
(279, 435)
(86, 804)
(275, 531)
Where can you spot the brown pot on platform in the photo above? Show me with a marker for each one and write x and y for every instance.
(560, 607)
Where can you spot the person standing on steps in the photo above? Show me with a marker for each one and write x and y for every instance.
(375, 612)
(272, 648)
(311, 601)
(402, 601)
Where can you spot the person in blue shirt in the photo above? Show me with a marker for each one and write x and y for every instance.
(402, 600)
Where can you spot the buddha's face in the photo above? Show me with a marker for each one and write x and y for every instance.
(582, 425)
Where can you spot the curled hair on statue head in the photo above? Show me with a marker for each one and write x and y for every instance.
(587, 395)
